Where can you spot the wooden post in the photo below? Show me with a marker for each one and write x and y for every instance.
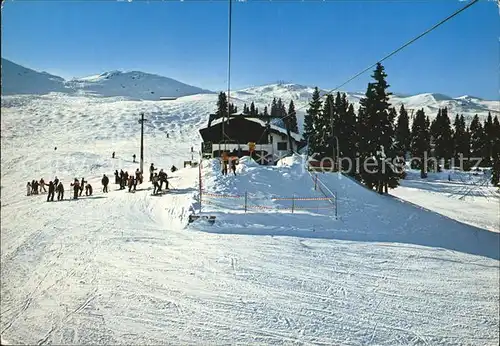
(315, 182)
(293, 203)
(246, 199)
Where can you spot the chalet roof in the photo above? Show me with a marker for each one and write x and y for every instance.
(274, 128)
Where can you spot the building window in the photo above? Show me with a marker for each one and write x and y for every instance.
(282, 146)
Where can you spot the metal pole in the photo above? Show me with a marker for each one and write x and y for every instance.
(142, 143)
(199, 178)
(293, 202)
(228, 74)
(246, 199)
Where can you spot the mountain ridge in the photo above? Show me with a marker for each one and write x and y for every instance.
(139, 85)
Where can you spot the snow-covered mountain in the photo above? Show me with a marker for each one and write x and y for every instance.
(134, 84)
(17, 80)
(145, 86)
(430, 102)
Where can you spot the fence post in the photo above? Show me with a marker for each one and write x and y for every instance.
(315, 182)
(246, 198)
(293, 202)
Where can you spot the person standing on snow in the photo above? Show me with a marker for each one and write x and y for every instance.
(88, 190)
(42, 185)
(130, 183)
(60, 191)
(133, 156)
(151, 171)
(82, 185)
(155, 183)
(28, 189)
(52, 189)
(105, 182)
(56, 182)
(233, 166)
(76, 188)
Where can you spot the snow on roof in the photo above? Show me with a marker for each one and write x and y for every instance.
(297, 137)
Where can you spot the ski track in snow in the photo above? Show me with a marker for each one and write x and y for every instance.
(124, 268)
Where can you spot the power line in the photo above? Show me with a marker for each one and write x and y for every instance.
(395, 51)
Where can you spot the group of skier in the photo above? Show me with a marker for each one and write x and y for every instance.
(124, 179)
(121, 178)
(32, 188)
(159, 178)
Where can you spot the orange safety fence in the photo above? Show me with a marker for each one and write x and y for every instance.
(251, 200)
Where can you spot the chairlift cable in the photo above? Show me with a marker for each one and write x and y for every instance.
(396, 51)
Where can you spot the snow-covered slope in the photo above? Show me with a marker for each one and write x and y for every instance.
(17, 80)
(134, 84)
(124, 268)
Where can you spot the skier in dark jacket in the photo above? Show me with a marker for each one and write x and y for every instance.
(155, 184)
(76, 188)
(60, 191)
(82, 185)
(28, 189)
(105, 182)
(88, 190)
(56, 182)
(117, 178)
(52, 189)
(151, 171)
(233, 166)
(42, 185)
(133, 156)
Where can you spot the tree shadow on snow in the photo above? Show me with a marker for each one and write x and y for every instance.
(451, 188)
(364, 221)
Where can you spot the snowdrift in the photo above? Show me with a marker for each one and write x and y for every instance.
(364, 215)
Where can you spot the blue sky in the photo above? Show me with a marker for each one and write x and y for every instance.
(305, 42)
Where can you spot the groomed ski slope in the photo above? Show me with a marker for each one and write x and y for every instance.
(125, 268)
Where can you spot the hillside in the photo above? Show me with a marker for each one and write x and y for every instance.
(17, 80)
(134, 84)
(126, 268)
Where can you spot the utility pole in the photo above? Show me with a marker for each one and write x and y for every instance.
(141, 121)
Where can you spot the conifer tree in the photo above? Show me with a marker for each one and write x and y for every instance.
(245, 109)
(403, 136)
(310, 121)
(495, 130)
(489, 139)
(377, 133)
(222, 105)
(442, 136)
(324, 127)
(420, 142)
(477, 140)
(292, 118)
(252, 110)
(459, 139)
